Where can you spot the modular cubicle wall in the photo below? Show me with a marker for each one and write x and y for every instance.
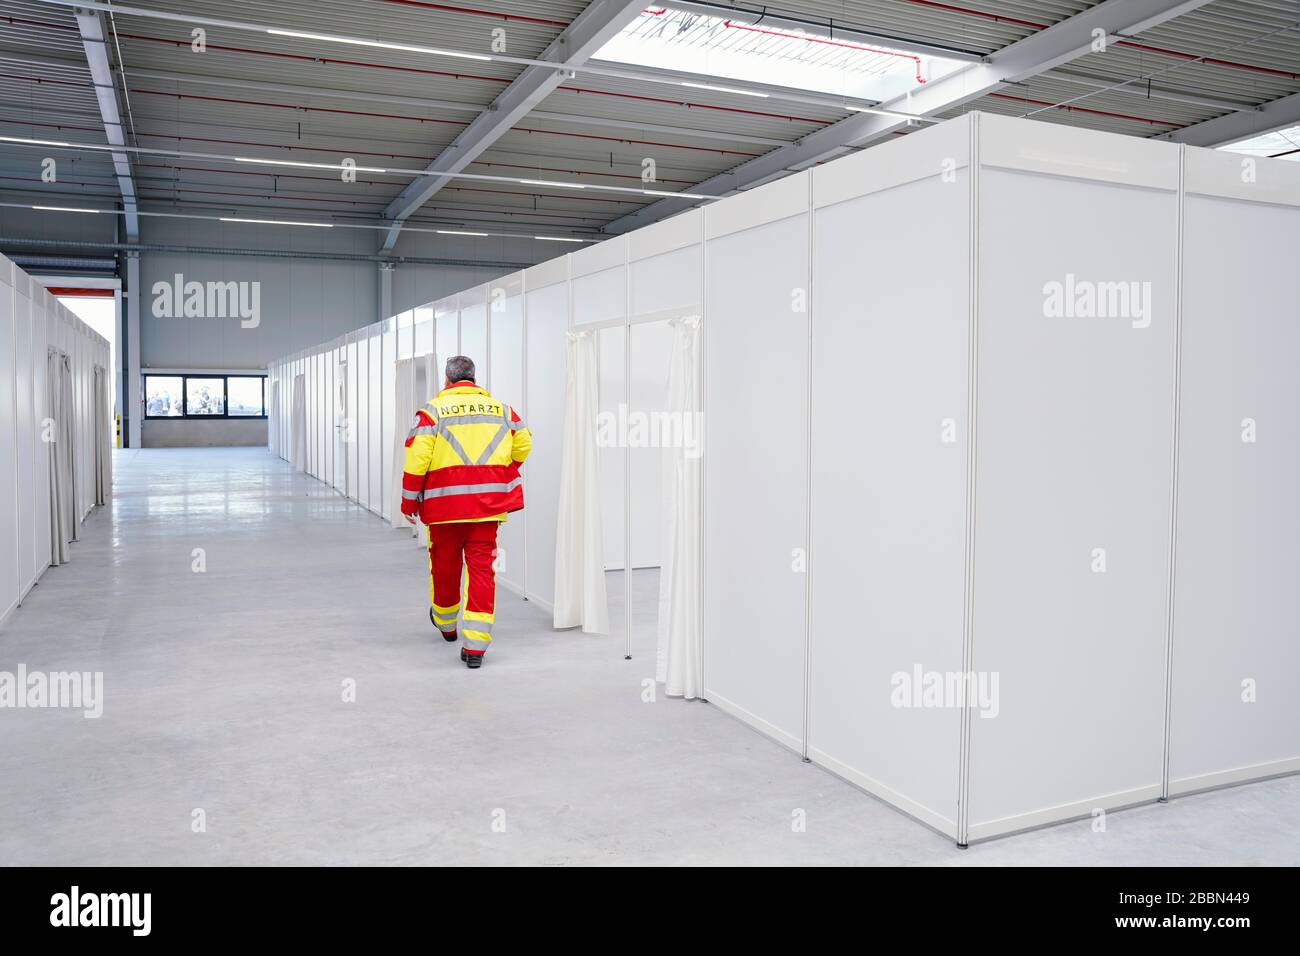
(995, 523)
(1024, 348)
(73, 427)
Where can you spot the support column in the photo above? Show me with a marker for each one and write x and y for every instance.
(133, 412)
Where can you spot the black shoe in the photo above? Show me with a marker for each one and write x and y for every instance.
(451, 638)
(472, 661)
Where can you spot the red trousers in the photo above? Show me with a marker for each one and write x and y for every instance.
(464, 547)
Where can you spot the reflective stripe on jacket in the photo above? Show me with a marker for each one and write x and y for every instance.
(462, 458)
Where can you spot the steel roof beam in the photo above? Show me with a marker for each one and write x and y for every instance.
(580, 40)
(1278, 114)
(1058, 44)
(91, 25)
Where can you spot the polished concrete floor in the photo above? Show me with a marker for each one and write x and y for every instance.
(223, 694)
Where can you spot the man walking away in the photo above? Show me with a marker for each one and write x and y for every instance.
(461, 478)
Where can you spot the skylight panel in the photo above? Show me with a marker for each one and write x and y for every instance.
(1282, 144)
(772, 54)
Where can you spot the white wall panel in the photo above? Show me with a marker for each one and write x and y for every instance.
(353, 418)
(424, 330)
(1074, 455)
(600, 296)
(390, 415)
(363, 419)
(507, 362)
(26, 440)
(1238, 517)
(548, 316)
(473, 340)
(446, 339)
(40, 342)
(670, 280)
(375, 434)
(755, 409)
(8, 457)
(890, 374)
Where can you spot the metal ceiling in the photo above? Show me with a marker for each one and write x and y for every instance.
(256, 94)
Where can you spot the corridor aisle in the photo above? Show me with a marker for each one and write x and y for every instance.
(229, 602)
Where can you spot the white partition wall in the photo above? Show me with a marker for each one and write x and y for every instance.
(506, 360)
(1074, 410)
(26, 434)
(890, 357)
(1234, 714)
(999, 440)
(446, 342)
(10, 584)
(546, 322)
(34, 324)
(756, 452)
(474, 333)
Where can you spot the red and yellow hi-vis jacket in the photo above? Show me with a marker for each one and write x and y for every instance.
(462, 458)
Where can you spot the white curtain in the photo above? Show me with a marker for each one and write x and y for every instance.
(273, 420)
(69, 452)
(58, 381)
(403, 386)
(102, 440)
(680, 660)
(579, 568)
(298, 423)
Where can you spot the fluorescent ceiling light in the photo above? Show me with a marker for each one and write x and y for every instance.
(384, 227)
(459, 232)
(279, 222)
(724, 89)
(303, 165)
(547, 182)
(404, 47)
(36, 142)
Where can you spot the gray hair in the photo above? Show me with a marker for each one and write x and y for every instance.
(460, 368)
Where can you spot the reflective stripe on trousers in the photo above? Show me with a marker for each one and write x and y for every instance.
(467, 547)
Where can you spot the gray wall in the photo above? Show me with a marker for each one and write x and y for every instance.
(195, 433)
(32, 224)
(302, 301)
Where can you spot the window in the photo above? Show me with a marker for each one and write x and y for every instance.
(204, 396)
(244, 396)
(162, 396)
